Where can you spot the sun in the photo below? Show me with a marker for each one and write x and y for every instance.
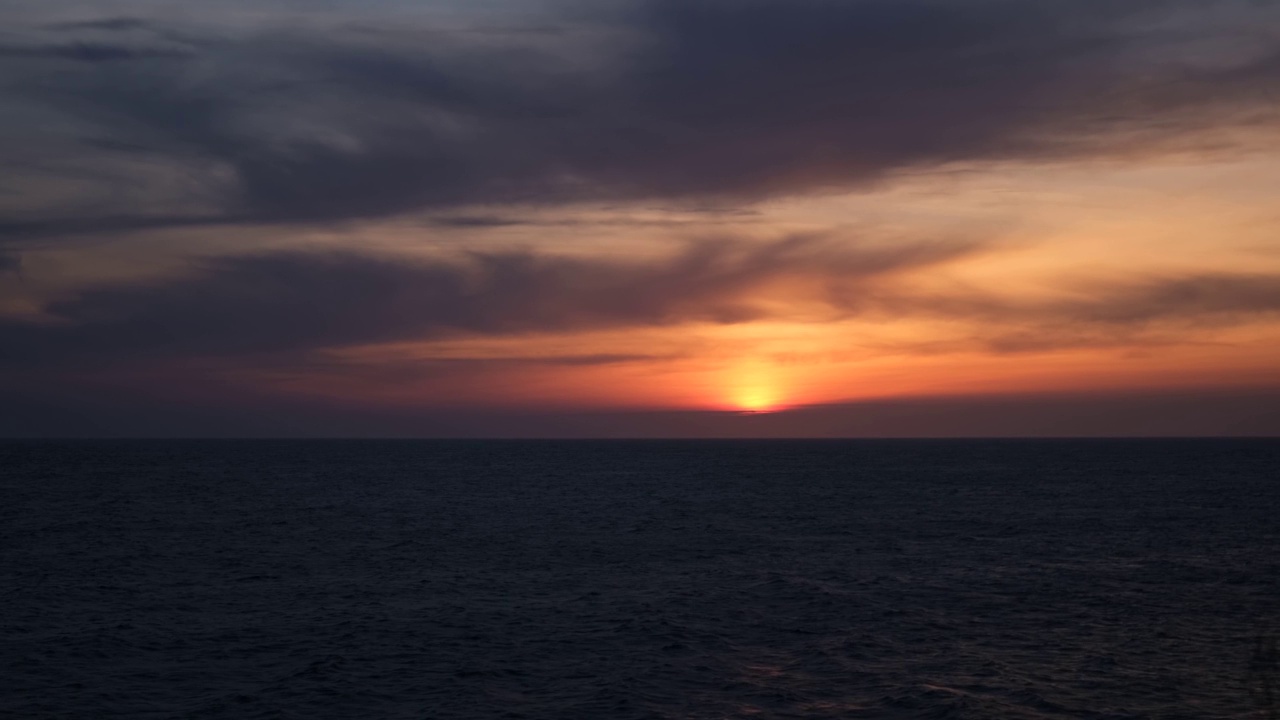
(756, 400)
(754, 388)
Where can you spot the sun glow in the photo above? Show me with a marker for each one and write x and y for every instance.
(757, 402)
(755, 389)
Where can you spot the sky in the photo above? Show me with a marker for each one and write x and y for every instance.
(639, 218)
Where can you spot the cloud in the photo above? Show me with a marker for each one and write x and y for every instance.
(10, 263)
(288, 305)
(88, 52)
(1133, 313)
(295, 302)
(696, 100)
(1201, 296)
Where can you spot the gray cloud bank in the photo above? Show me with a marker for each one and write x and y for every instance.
(657, 99)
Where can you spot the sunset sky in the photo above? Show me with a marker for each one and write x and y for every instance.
(640, 217)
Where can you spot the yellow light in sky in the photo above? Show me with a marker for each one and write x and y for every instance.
(757, 400)
(755, 388)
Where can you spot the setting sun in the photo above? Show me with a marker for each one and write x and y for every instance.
(755, 388)
(757, 401)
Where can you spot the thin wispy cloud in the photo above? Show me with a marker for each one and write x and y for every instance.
(299, 302)
(304, 301)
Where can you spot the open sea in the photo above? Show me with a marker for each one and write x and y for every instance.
(616, 580)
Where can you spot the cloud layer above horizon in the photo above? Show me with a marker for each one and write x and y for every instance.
(449, 205)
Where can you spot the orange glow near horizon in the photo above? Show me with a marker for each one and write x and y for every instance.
(760, 368)
(1028, 314)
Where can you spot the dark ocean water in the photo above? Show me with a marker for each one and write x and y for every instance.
(1020, 579)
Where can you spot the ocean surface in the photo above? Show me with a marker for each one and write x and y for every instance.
(616, 580)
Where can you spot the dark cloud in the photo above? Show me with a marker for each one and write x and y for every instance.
(477, 221)
(113, 23)
(700, 99)
(97, 224)
(88, 52)
(1211, 296)
(288, 302)
(10, 263)
(1131, 313)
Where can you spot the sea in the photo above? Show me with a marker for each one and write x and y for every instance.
(611, 580)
